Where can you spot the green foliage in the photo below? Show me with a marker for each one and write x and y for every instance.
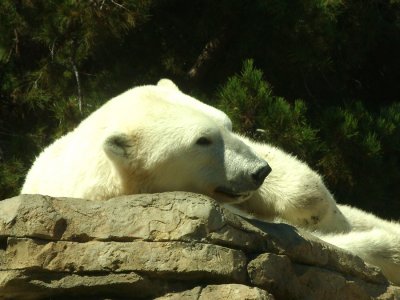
(355, 149)
(47, 53)
(363, 150)
(257, 112)
(11, 175)
(60, 60)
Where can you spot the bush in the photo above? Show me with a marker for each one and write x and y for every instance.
(257, 112)
(357, 151)
(60, 60)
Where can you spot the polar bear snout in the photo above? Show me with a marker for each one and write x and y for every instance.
(260, 174)
(245, 170)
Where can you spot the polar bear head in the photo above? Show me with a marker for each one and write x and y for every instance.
(157, 143)
(149, 139)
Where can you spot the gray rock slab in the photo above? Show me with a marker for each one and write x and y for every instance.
(220, 292)
(168, 245)
(168, 217)
(288, 280)
(156, 217)
(25, 285)
(177, 260)
(304, 248)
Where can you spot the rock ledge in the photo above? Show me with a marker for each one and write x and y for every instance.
(168, 246)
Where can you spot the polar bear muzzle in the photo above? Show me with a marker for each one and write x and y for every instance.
(257, 177)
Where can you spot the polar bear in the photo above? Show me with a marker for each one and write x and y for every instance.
(134, 142)
(295, 194)
(149, 140)
(292, 192)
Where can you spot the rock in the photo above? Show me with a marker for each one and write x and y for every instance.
(157, 217)
(178, 260)
(275, 273)
(170, 246)
(220, 292)
(20, 284)
(304, 248)
(287, 280)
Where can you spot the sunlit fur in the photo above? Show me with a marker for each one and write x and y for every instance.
(295, 194)
(144, 141)
(91, 162)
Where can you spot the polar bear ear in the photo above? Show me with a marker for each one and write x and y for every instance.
(167, 83)
(117, 146)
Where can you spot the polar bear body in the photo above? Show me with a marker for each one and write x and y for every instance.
(144, 141)
(376, 245)
(295, 194)
(134, 143)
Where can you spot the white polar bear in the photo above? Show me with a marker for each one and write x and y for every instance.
(137, 140)
(149, 140)
(295, 194)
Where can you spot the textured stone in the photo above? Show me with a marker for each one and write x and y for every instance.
(276, 274)
(220, 292)
(171, 245)
(288, 280)
(171, 259)
(156, 217)
(23, 285)
(153, 217)
(304, 248)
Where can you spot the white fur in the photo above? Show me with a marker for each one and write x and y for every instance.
(376, 246)
(216, 114)
(145, 141)
(361, 220)
(295, 194)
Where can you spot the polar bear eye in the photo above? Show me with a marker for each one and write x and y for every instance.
(203, 141)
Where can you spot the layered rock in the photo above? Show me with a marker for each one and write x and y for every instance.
(168, 246)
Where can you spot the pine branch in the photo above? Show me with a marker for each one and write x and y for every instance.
(210, 52)
(15, 47)
(206, 55)
(119, 5)
(16, 39)
(78, 83)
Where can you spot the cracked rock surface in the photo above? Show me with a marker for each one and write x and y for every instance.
(168, 246)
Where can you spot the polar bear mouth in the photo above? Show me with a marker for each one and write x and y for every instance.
(236, 197)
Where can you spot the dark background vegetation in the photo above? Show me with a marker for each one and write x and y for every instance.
(318, 78)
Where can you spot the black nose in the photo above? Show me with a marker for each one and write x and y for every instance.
(261, 174)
